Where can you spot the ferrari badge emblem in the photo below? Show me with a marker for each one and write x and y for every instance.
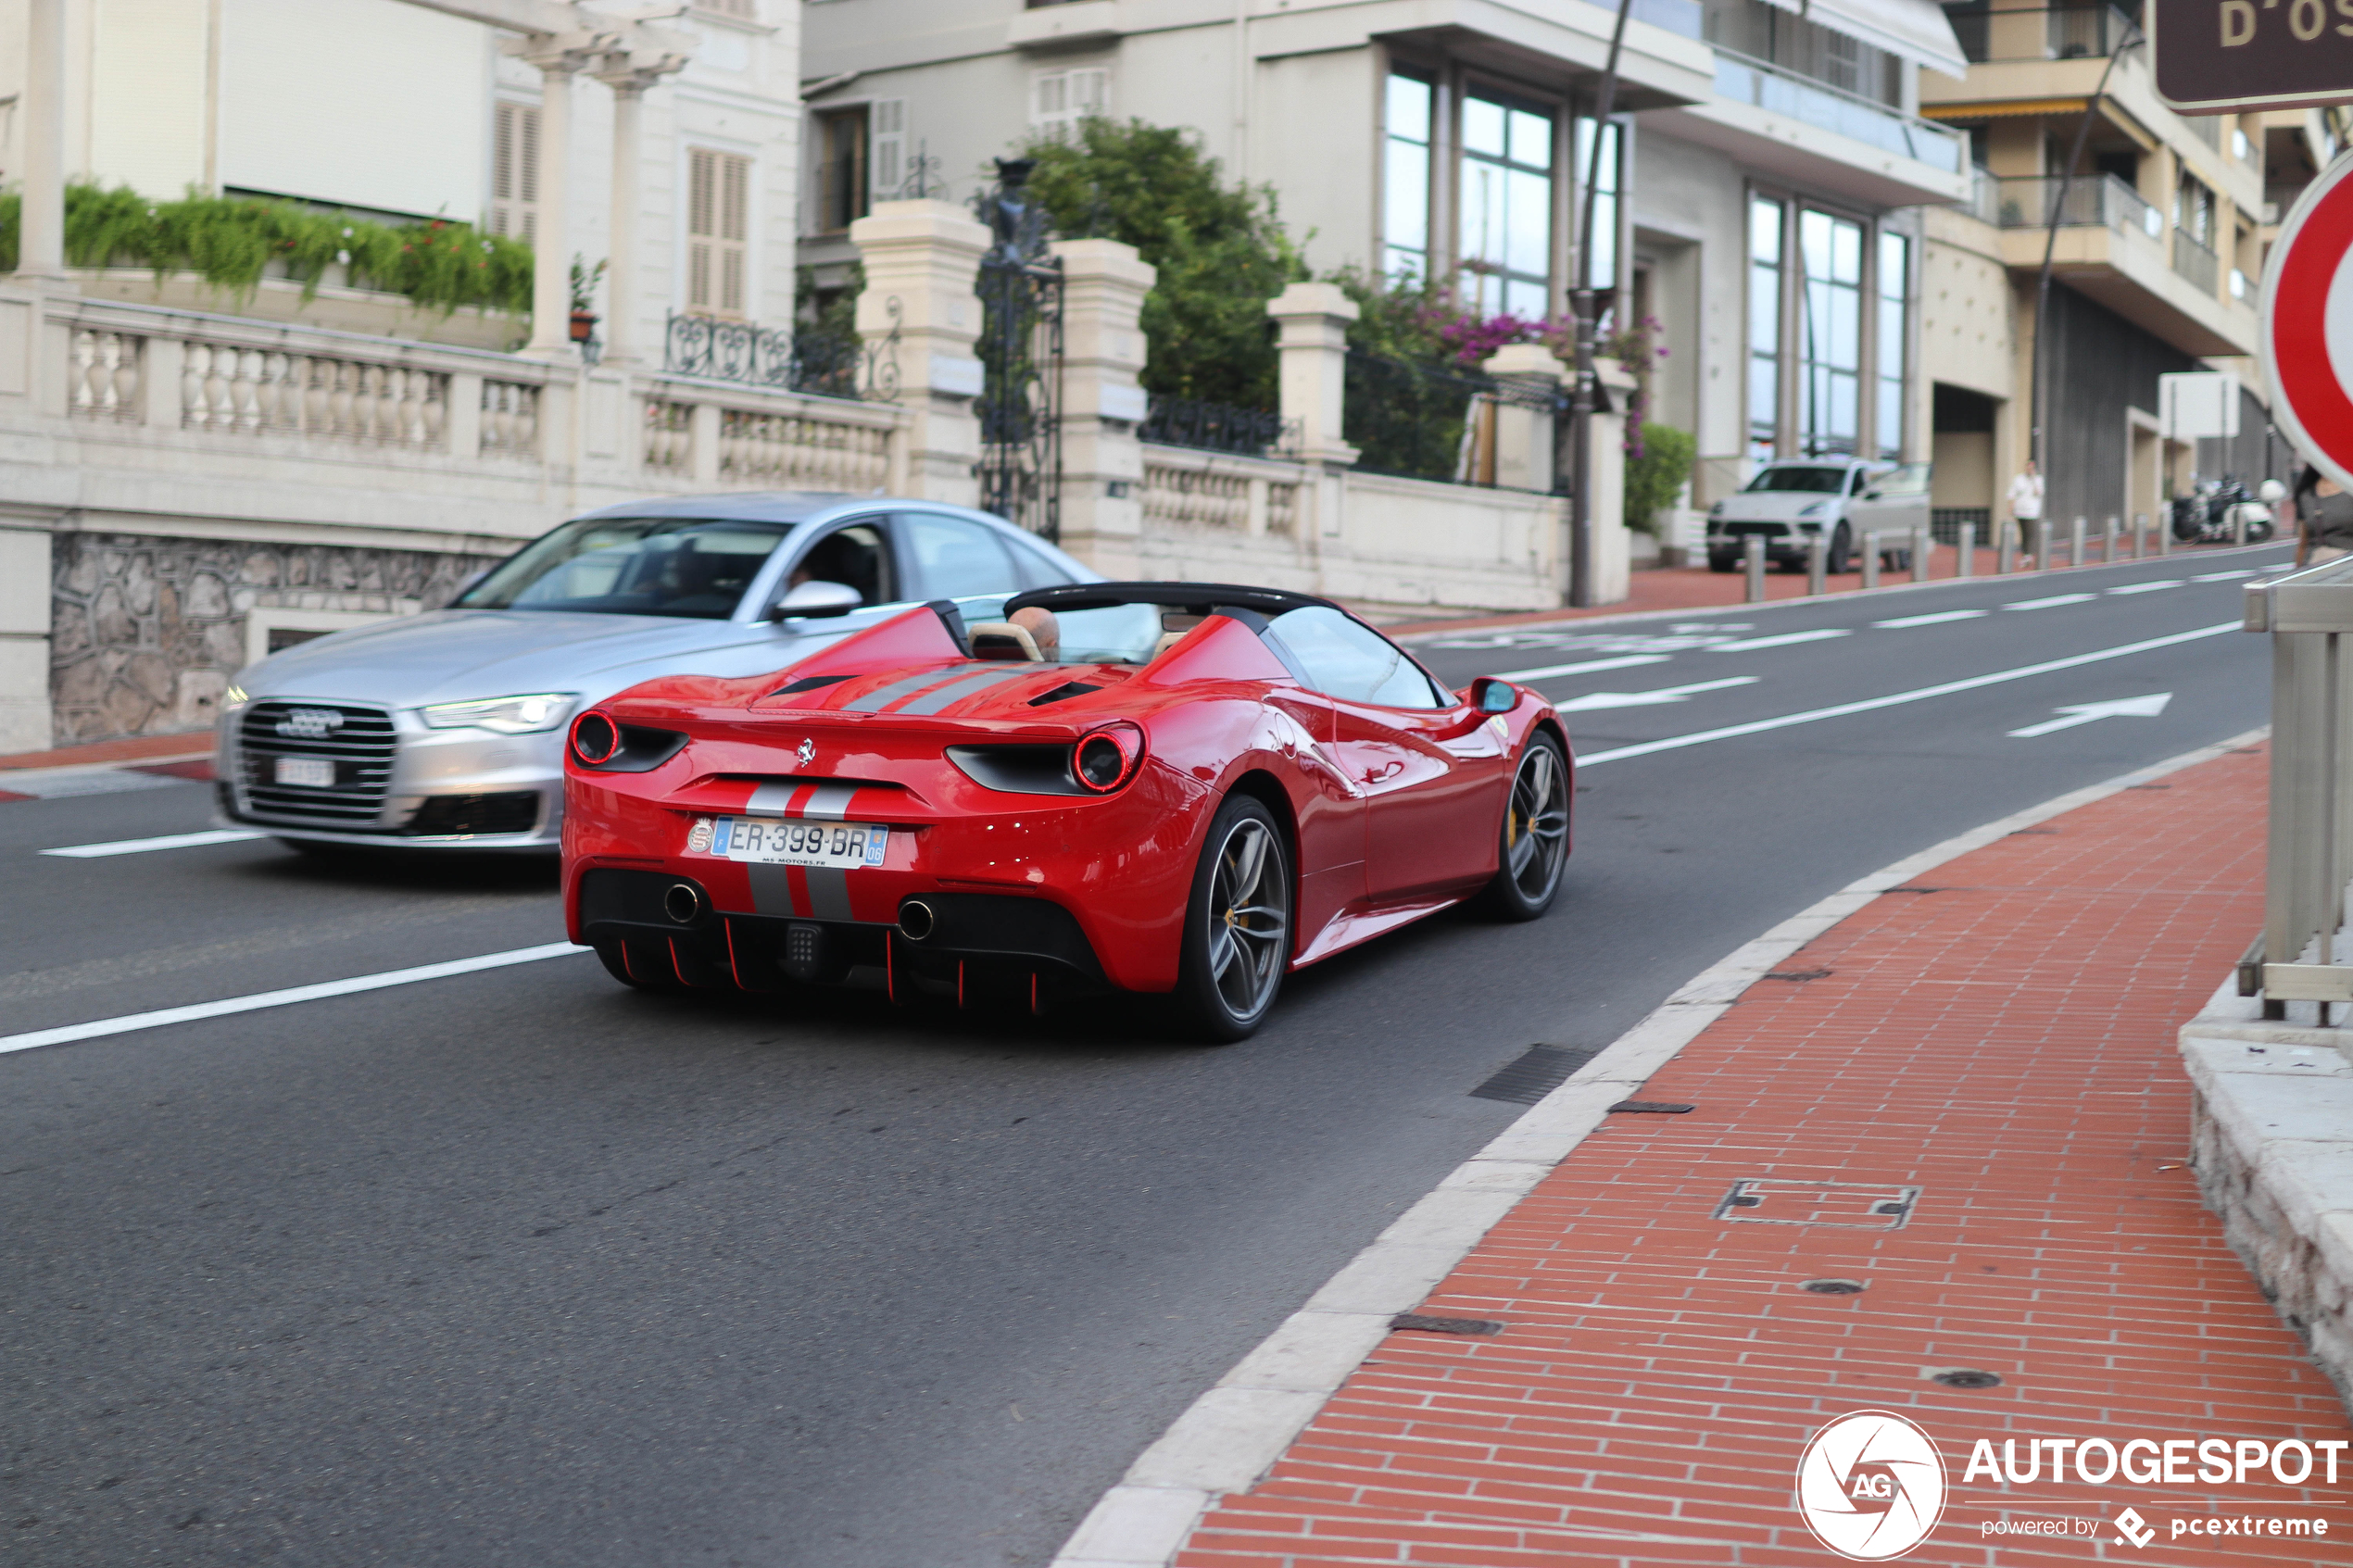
(808, 752)
(699, 837)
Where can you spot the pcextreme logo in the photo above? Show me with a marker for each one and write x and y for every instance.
(1872, 1486)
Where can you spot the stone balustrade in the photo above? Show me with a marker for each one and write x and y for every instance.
(1184, 488)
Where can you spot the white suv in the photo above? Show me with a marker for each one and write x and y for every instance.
(1790, 502)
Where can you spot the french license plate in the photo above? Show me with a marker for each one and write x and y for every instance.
(768, 841)
(306, 773)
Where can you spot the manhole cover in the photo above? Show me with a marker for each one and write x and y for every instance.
(1776, 1200)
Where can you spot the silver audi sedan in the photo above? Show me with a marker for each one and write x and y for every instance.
(446, 730)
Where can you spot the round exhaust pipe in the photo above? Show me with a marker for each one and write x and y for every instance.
(682, 901)
(915, 920)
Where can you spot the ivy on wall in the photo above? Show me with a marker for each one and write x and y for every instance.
(231, 242)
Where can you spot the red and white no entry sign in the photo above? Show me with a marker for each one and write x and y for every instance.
(2306, 343)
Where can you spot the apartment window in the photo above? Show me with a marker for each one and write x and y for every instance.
(2193, 212)
(1764, 327)
(1059, 99)
(1894, 272)
(1831, 333)
(1605, 197)
(514, 171)
(1506, 204)
(841, 168)
(1405, 180)
(718, 228)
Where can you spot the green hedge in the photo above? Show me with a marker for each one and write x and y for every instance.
(229, 241)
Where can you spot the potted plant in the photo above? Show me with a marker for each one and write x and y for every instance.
(584, 298)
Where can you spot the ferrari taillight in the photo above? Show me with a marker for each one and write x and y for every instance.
(594, 738)
(1105, 759)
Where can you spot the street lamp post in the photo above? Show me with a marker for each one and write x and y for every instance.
(1581, 414)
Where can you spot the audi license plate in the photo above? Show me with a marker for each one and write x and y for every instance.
(306, 773)
(770, 842)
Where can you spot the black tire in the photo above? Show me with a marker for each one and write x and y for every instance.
(1720, 561)
(1534, 835)
(1238, 923)
(1841, 552)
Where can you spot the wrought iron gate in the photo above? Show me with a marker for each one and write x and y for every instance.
(1021, 354)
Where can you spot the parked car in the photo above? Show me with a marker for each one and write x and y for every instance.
(1787, 502)
(446, 730)
(1181, 787)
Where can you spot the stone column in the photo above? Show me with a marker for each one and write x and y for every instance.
(1312, 321)
(1524, 436)
(624, 337)
(919, 319)
(24, 636)
(551, 243)
(1613, 550)
(40, 239)
(1103, 510)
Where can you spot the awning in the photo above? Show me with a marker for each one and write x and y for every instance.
(1917, 30)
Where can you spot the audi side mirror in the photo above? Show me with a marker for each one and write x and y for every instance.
(816, 597)
(1491, 696)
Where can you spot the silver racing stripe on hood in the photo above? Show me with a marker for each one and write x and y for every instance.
(932, 701)
(883, 696)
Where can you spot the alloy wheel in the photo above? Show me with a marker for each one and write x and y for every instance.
(1536, 834)
(1249, 919)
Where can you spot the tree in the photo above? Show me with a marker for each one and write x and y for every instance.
(1221, 252)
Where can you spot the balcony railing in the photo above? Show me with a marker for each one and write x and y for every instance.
(2102, 200)
(2194, 262)
(1984, 200)
(1747, 80)
(2066, 33)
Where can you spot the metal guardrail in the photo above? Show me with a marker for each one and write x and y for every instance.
(2307, 614)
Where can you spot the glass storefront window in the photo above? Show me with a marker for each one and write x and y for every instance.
(1405, 180)
(1506, 202)
(1764, 327)
(1830, 333)
(1895, 274)
(1605, 179)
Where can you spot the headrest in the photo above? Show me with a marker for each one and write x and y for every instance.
(1003, 640)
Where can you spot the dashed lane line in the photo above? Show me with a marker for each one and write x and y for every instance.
(2156, 587)
(1897, 699)
(1820, 634)
(141, 845)
(1938, 619)
(2054, 599)
(128, 1022)
(1591, 667)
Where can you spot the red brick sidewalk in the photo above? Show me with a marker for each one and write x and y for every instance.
(2000, 1036)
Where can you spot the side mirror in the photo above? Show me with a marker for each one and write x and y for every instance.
(1874, 495)
(1491, 696)
(2271, 492)
(816, 597)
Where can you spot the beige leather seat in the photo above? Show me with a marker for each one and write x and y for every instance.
(1003, 640)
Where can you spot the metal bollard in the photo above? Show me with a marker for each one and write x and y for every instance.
(2140, 536)
(2238, 523)
(2042, 544)
(1870, 561)
(1923, 551)
(2005, 549)
(2164, 525)
(1965, 551)
(2109, 531)
(1752, 562)
(1818, 564)
(2075, 543)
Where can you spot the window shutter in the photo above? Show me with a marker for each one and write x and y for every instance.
(888, 147)
(1065, 97)
(514, 171)
(718, 231)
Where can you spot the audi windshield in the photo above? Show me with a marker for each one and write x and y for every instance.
(1814, 480)
(633, 566)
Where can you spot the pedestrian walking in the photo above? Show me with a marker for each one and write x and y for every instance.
(2323, 519)
(2026, 506)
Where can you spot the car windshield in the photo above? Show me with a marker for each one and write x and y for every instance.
(1814, 480)
(691, 567)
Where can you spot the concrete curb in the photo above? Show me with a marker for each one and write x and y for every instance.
(1232, 1434)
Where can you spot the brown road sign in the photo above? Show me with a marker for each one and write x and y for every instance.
(2219, 57)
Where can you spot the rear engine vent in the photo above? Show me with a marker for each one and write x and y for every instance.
(1063, 693)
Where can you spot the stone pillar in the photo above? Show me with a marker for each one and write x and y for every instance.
(918, 317)
(1103, 510)
(41, 240)
(24, 637)
(551, 242)
(1313, 320)
(621, 262)
(1613, 550)
(1524, 436)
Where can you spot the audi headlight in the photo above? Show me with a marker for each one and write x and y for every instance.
(233, 699)
(507, 715)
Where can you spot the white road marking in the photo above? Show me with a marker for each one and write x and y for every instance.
(2224, 576)
(2148, 707)
(1937, 619)
(1647, 700)
(1781, 640)
(141, 845)
(2148, 587)
(1590, 666)
(1897, 699)
(64, 783)
(2054, 599)
(129, 1022)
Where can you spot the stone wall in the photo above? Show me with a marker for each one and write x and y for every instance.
(146, 632)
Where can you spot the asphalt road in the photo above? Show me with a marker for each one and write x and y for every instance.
(520, 1267)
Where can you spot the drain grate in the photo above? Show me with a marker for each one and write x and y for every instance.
(1539, 1071)
(1420, 1324)
(1964, 1377)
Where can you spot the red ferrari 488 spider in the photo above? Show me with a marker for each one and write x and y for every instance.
(1184, 788)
